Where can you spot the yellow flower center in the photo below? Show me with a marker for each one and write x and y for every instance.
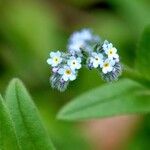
(56, 59)
(106, 64)
(68, 72)
(110, 52)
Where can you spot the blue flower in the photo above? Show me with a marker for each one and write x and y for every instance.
(55, 59)
(82, 39)
(67, 73)
(74, 63)
(96, 59)
(84, 49)
(110, 51)
(107, 66)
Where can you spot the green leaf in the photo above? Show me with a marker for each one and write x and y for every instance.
(136, 12)
(29, 129)
(143, 54)
(8, 138)
(122, 97)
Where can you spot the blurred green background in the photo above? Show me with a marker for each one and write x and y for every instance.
(30, 29)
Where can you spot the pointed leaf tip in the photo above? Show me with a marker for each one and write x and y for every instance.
(28, 125)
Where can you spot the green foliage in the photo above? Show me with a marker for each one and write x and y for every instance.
(29, 129)
(29, 29)
(138, 9)
(123, 97)
(143, 54)
(8, 138)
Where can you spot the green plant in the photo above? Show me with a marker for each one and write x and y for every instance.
(127, 96)
(21, 127)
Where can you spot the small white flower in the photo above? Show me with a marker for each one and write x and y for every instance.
(108, 66)
(74, 63)
(67, 73)
(79, 40)
(83, 35)
(110, 50)
(76, 46)
(96, 59)
(55, 59)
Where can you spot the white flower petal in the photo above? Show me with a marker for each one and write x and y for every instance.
(61, 71)
(72, 77)
(117, 60)
(104, 70)
(101, 65)
(95, 65)
(49, 61)
(110, 46)
(79, 60)
(65, 78)
(69, 62)
(54, 64)
(109, 69)
(114, 49)
(100, 56)
(116, 56)
(66, 67)
(58, 53)
(52, 54)
(79, 40)
(60, 59)
(112, 62)
(78, 66)
(94, 54)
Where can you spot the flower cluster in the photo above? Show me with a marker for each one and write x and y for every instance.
(64, 67)
(83, 39)
(84, 49)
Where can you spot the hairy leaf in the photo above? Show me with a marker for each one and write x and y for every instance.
(29, 129)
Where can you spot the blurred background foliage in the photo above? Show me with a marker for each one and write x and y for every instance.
(30, 29)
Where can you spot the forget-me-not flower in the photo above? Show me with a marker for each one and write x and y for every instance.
(81, 39)
(110, 50)
(74, 63)
(96, 59)
(108, 66)
(67, 73)
(55, 59)
(84, 49)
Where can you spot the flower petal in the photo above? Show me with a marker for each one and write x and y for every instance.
(72, 77)
(78, 66)
(104, 70)
(49, 61)
(58, 53)
(52, 54)
(61, 71)
(65, 78)
(114, 49)
(109, 69)
(79, 59)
